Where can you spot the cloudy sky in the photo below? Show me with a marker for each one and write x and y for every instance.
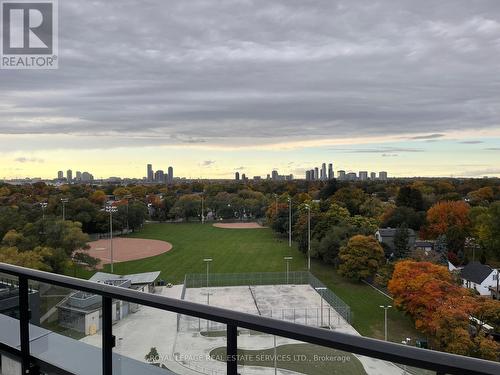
(211, 87)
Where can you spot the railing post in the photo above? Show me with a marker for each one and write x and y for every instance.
(108, 340)
(232, 350)
(24, 324)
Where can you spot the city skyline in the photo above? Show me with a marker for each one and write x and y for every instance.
(214, 169)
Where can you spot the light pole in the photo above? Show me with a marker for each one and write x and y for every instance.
(208, 304)
(385, 319)
(43, 205)
(202, 209)
(321, 290)
(64, 201)
(289, 222)
(111, 209)
(308, 207)
(287, 260)
(207, 261)
(127, 197)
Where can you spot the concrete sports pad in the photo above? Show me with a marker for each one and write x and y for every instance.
(293, 303)
(125, 249)
(251, 225)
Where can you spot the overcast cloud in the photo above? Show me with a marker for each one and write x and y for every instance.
(257, 72)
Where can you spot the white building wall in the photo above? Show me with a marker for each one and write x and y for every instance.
(91, 322)
(483, 288)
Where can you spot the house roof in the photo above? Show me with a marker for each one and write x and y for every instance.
(475, 272)
(391, 232)
(423, 243)
(135, 278)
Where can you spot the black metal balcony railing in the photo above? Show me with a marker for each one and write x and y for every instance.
(441, 363)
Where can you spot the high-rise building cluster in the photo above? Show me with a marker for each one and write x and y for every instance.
(79, 176)
(320, 174)
(323, 174)
(275, 176)
(361, 176)
(160, 177)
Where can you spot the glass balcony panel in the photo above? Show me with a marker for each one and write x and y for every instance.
(146, 337)
(9, 323)
(62, 322)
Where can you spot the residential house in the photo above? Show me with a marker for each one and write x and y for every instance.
(386, 237)
(479, 277)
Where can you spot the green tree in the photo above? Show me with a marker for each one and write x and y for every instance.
(486, 227)
(36, 259)
(441, 248)
(401, 245)
(410, 197)
(329, 246)
(83, 258)
(152, 356)
(361, 257)
(350, 198)
(187, 206)
(395, 217)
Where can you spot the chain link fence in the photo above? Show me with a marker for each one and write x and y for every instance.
(311, 316)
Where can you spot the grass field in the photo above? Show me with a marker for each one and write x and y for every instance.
(247, 250)
(303, 358)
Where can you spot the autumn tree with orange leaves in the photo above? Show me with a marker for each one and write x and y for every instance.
(420, 287)
(446, 215)
(442, 309)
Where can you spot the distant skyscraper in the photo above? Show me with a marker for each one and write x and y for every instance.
(78, 175)
(308, 175)
(69, 175)
(341, 175)
(363, 175)
(237, 176)
(150, 173)
(323, 171)
(275, 175)
(244, 177)
(373, 176)
(351, 176)
(382, 175)
(330, 171)
(316, 173)
(60, 175)
(159, 176)
(170, 179)
(87, 177)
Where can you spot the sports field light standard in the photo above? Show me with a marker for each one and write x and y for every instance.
(321, 290)
(208, 261)
(289, 222)
(385, 319)
(111, 210)
(43, 206)
(287, 260)
(308, 208)
(64, 201)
